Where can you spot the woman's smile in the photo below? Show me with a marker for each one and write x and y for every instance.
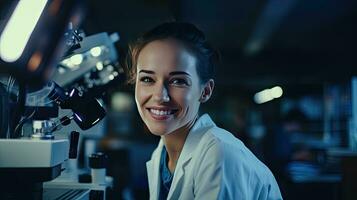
(162, 114)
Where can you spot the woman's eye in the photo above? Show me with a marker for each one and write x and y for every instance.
(146, 80)
(178, 81)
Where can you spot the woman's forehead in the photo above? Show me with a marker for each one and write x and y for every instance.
(166, 55)
(168, 49)
(169, 70)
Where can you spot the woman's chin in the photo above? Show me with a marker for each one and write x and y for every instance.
(159, 131)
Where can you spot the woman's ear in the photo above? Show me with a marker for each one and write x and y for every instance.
(207, 91)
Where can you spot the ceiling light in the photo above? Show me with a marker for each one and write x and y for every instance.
(19, 28)
(268, 95)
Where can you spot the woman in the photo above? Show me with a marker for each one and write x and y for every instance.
(172, 68)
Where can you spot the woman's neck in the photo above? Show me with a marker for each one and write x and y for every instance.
(174, 143)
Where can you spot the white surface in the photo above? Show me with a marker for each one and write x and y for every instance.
(21, 153)
(98, 176)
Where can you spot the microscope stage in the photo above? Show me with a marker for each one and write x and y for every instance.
(32, 153)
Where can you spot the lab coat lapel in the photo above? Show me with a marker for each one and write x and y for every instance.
(193, 138)
(153, 171)
(176, 182)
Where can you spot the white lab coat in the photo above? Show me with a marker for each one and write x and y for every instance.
(214, 164)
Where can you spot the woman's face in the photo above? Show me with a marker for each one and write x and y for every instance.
(168, 89)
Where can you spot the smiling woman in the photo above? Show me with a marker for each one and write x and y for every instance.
(167, 87)
(172, 69)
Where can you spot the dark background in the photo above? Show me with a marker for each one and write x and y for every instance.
(262, 42)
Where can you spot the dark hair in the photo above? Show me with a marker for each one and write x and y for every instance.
(191, 37)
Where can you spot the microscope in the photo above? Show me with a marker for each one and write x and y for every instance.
(55, 67)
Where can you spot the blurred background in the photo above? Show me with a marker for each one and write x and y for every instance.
(286, 86)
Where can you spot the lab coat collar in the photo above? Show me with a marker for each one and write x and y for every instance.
(193, 138)
(153, 171)
(153, 166)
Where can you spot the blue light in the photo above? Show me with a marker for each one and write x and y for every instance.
(78, 117)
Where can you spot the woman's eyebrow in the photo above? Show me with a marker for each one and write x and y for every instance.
(179, 73)
(146, 71)
(171, 73)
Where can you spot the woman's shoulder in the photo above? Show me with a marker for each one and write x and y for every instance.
(221, 152)
(231, 151)
(216, 135)
(221, 138)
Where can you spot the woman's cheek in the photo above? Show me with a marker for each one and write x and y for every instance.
(144, 95)
(139, 95)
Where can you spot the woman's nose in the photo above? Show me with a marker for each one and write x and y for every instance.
(162, 94)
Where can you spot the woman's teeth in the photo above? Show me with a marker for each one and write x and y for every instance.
(161, 112)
